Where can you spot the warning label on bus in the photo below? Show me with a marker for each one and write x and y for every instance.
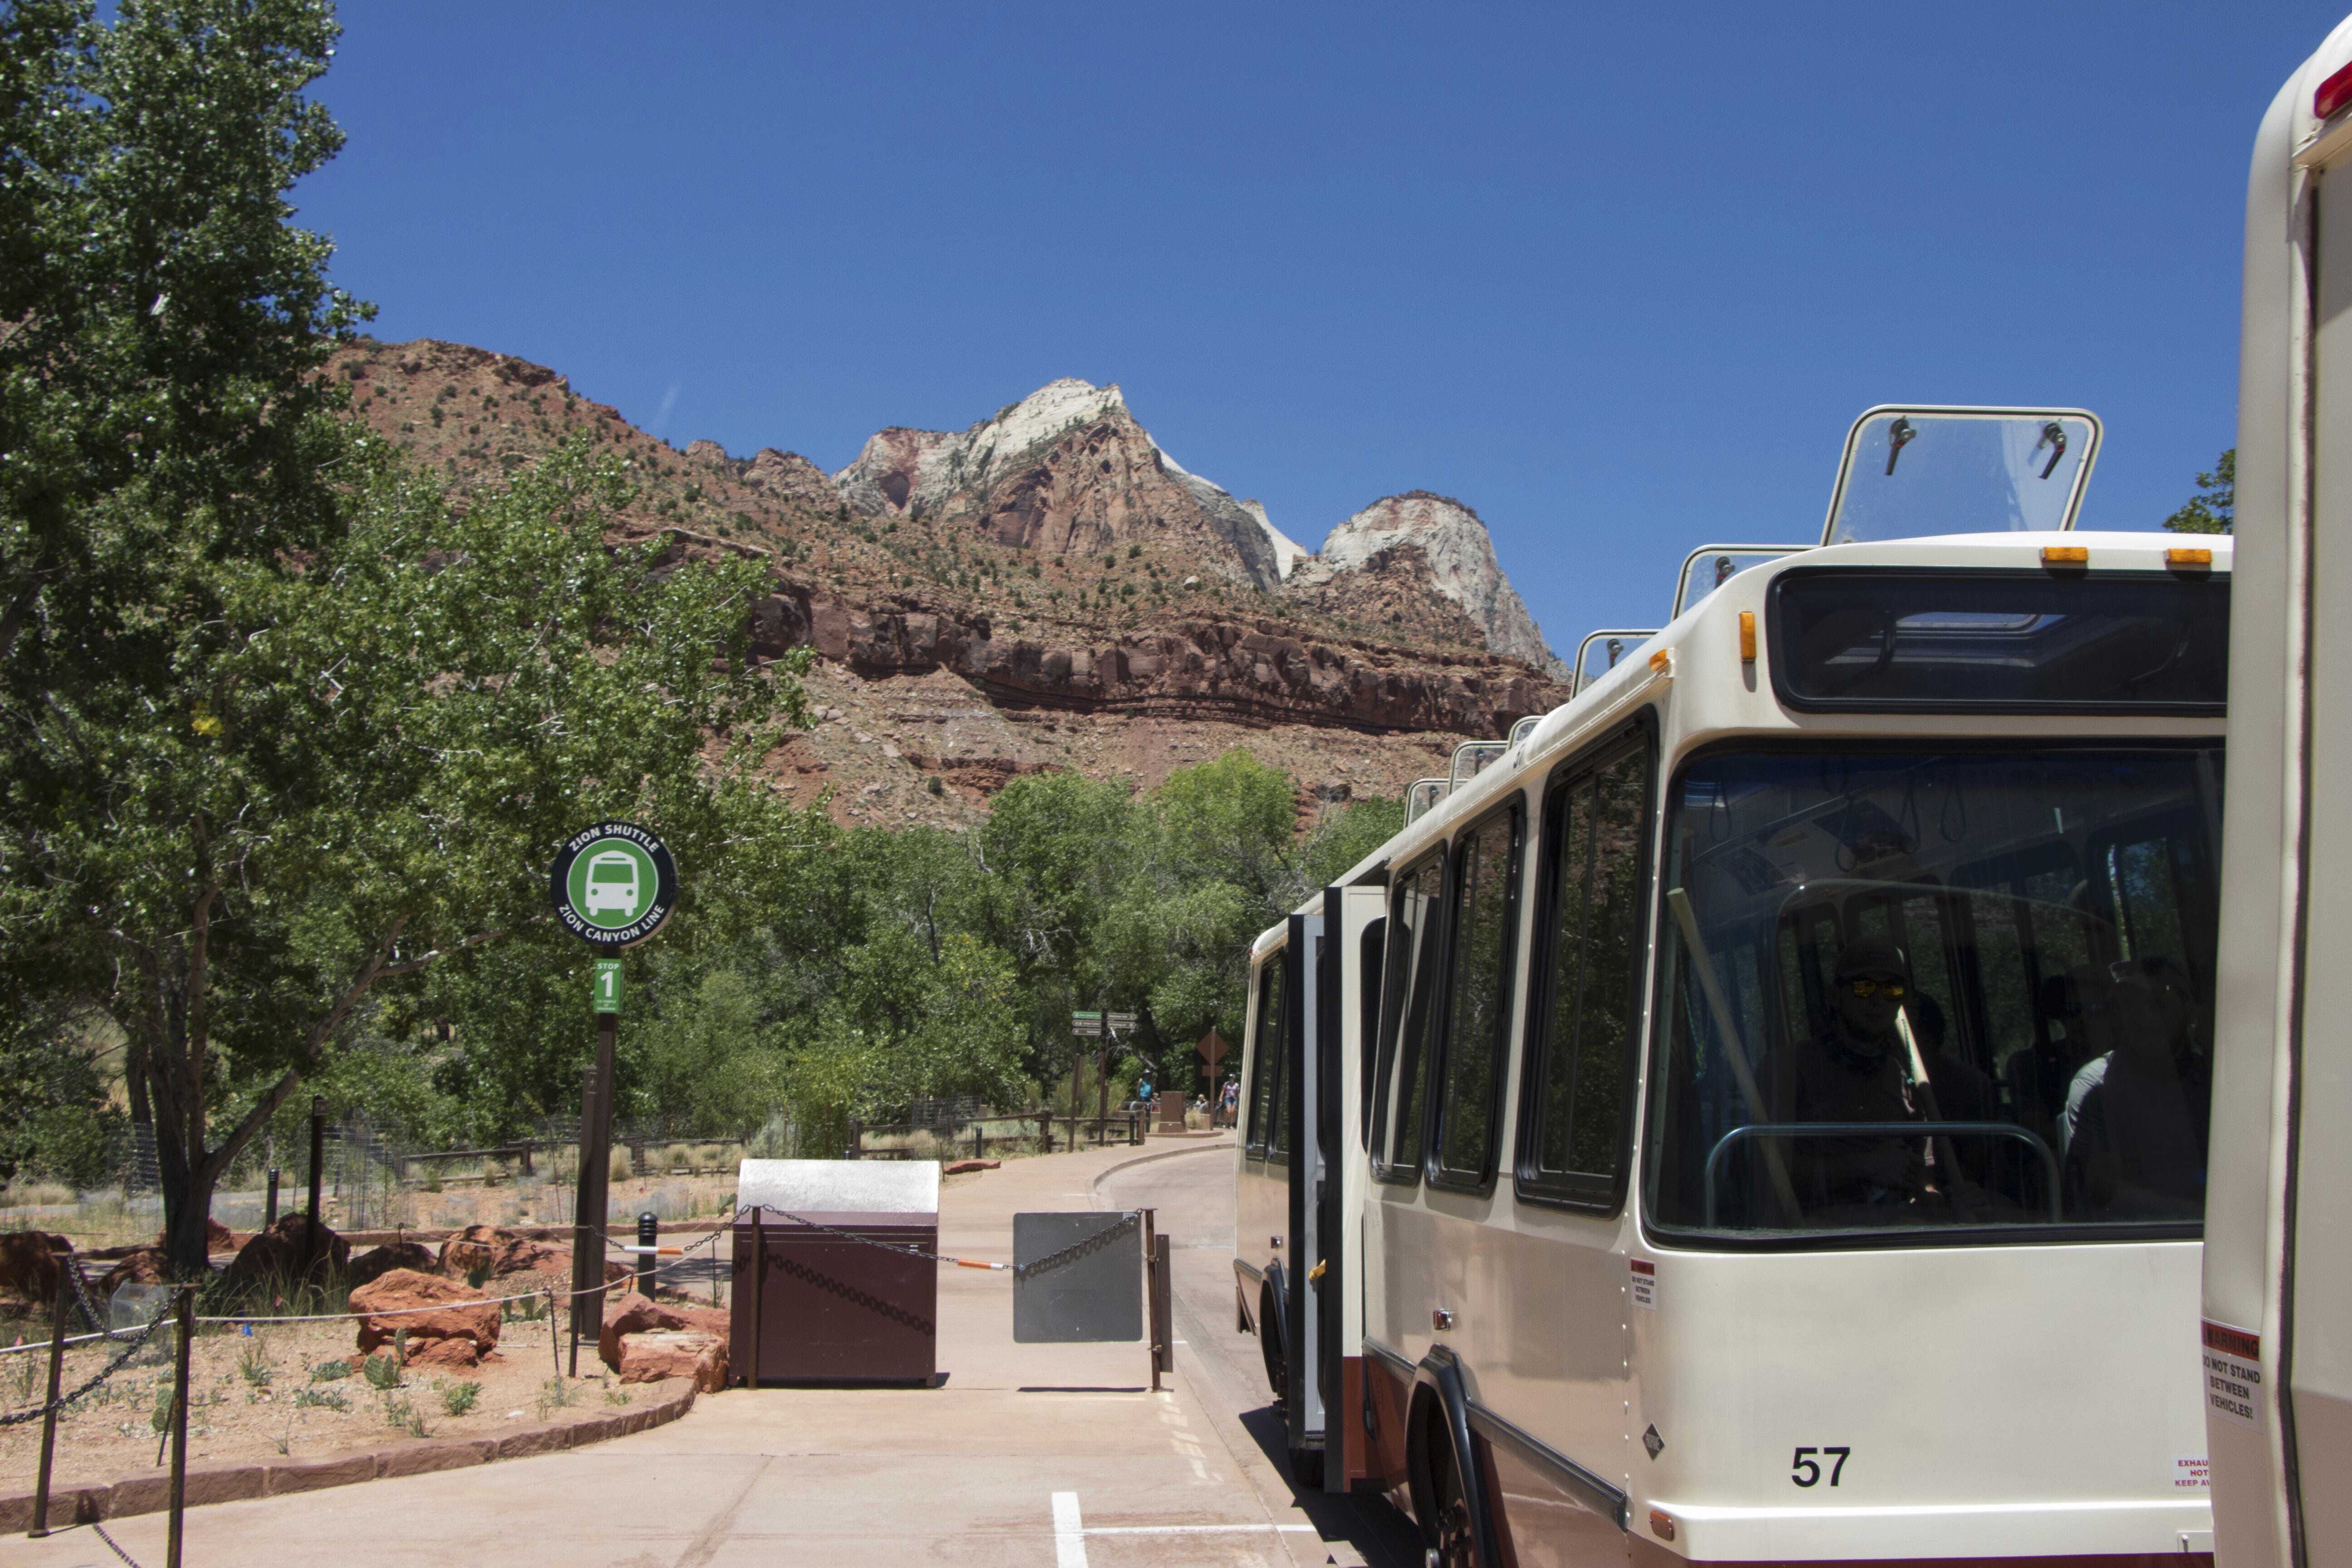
(1645, 1283)
(2233, 1373)
(2193, 1475)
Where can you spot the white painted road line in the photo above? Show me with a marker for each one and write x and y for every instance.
(1069, 1532)
(1193, 1528)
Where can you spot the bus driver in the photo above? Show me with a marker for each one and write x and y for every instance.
(1859, 1069)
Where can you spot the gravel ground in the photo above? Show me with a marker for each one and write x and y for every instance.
(261, 1396)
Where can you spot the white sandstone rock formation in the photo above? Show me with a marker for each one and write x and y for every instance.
(1461, 556)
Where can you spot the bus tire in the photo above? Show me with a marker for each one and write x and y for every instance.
(1442, 1473)
(1269, 1342)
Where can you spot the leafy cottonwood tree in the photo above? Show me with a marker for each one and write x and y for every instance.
(355, 763)
(2213, 509)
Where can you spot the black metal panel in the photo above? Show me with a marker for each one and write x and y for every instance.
(1092, 1297)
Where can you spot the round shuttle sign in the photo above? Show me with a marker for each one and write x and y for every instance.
(614, 884)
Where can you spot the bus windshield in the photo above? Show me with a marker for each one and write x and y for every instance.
(1956, 994)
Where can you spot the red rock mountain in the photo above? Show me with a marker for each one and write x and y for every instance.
(1046, 589)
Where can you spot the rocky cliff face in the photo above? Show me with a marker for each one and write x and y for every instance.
(1045, 589)
(1454, 553)
(1065, 471)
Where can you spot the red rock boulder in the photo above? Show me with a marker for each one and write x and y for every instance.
(382, 1260)
(432, 1309)
(280, 1258)
(494, 1253)
(29, 1269)
(633, 1315)
(146, 1266)
(658, 1353)
(218, 1238)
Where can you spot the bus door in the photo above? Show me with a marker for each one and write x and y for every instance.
(1309, 1102)
(1351, 1018)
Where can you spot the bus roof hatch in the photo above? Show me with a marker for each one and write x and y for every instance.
(1919, 471)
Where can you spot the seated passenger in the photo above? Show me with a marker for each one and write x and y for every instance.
(2140, 1114)
(1854, 1071)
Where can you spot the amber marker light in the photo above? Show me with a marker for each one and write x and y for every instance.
(1747, 637)
(2190, 558)
(1662, 1524)
(2065, 555)
(1662, 663)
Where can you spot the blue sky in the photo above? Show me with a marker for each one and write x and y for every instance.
(1618, 279)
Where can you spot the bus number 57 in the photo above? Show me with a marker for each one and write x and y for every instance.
(1806, 1470)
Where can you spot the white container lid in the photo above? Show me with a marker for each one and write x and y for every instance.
(840, 1186)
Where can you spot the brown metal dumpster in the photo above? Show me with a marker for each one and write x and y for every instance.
(823, 1291)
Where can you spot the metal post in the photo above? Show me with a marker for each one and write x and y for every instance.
(583, 1193)
(648, 1236)
(318, 1169)
(1150, 1218)
(1102, 1089)
(269, 1213)
(180, 1426)
(601, 1166)
(1077, 1067)
(1163, 1312)
(759, 1272)
(979, 1143)
(49, 1414)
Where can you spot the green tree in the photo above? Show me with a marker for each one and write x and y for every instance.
(353, 765)
(2214, 508)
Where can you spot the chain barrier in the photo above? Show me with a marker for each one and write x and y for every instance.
(18, 1417)
(113, 1544)
(1051, 1262)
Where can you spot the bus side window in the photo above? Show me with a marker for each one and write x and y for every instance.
(1484, 934)
(1409, 978)
(1371, 947)
(1577, 1071)
(1266, 1051)
(1277, 1119)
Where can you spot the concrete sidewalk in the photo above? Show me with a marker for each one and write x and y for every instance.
(1028, 1455)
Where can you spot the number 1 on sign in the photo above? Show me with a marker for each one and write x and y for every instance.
(605, 989)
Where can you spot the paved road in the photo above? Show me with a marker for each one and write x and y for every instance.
(1030, 1455)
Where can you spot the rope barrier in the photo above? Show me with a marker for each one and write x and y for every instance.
(1094, 1242)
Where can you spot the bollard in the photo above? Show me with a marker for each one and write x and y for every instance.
(179, 1494)
(759, 1268)
(979, 1143)
(1163, 1312)
(648, 1236)
(49, 1416)
(269, 1212)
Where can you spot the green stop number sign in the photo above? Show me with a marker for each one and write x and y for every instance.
(614, 884)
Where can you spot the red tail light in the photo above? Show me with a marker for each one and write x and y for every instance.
(2332, 94)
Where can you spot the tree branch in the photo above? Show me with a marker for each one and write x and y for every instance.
(438, 953)
(217, 1162)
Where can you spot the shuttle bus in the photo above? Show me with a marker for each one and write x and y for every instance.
(2278, 1329)
(1760, 1117)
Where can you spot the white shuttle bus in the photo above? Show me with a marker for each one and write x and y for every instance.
(2277, 1334)
(1761, 1116)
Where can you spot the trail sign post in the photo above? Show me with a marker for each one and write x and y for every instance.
(613, 885)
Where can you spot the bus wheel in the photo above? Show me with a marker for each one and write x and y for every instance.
(1270, 1346)
(1452, 1542)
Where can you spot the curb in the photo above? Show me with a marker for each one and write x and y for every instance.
(1095, 1183)
(71, 1505)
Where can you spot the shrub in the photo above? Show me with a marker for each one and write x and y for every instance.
(323, 1398)
(330, 1371)
(456, 1398)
